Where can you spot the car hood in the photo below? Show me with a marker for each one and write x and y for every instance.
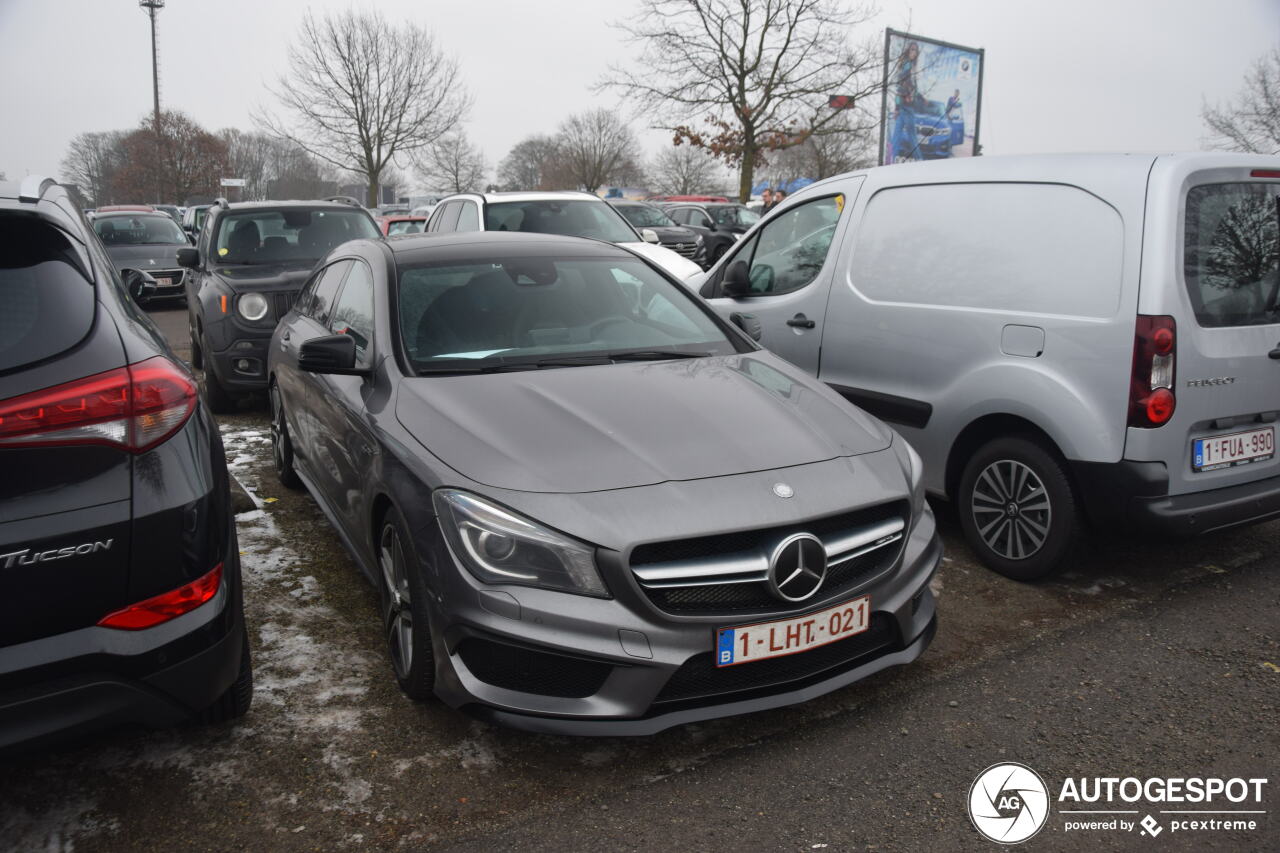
(674, 234)
(616, 426)
(265, 275)
(159, 256)
(680, 267)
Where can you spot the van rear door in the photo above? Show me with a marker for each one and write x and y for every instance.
(1217, 233)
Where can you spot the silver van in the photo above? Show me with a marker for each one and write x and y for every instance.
(1067, 340)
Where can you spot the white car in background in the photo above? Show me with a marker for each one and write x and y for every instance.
(572, 214)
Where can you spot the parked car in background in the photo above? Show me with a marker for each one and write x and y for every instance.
(575, 214)
(246, 270)
(172, 210)
(404, 224)
(126, 208)
(589, 505)
(144, 242)
(120, 590)
(682, 241)
(938, 130)
(1104, 347)
(193, 219)
(659, 199)
(719, 224)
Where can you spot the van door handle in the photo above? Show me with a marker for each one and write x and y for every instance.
(802, 322)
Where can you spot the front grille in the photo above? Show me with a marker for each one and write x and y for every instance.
(175, 277)
(688, 250)
(699, 679)
(532, 671)
(282, 301)
(725, 574)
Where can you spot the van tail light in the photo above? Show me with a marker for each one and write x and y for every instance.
(1155, 346)
(134, 407)
(169, 605)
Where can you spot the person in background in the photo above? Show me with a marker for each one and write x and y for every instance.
(767, 196)
(778, 196)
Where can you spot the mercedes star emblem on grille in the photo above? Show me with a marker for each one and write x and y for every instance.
(782, 490)
(797, 567)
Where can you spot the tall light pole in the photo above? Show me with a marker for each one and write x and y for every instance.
(153, 8)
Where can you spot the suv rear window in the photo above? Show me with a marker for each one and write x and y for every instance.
(48, 302)
(1232, 253)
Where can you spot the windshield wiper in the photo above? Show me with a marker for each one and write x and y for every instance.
(655, 355)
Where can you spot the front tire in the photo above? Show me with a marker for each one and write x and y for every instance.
(220, 400)
(405, 619)
(197, 352)
(1017, 507)
(281, 443)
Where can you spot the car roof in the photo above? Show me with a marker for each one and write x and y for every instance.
(530, 195)
(131, 214)
(288, 203)
(478, 245)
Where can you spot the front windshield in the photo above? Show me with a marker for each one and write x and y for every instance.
(139, 230)
(265, 236)
(486, 314)
(734, 215)
(570, 218)
(644, 216)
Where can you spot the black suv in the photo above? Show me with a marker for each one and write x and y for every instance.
(120, 594)
(720, 224)
(677, 238)
(248, 265)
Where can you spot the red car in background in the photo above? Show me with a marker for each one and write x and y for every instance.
(392, 225)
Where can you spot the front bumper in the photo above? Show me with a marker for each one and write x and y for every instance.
(242, 364)
(619, 659)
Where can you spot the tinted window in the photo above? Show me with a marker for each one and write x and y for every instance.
(326, 289)
(469, 217)
(535, 308)
(644, 216)
(1034, 248)
(353, 315)
(571, 218)
(298, 234)
(142, 229)
(1232, 253)
(734, 215)
(405, 226)
(48, 302)
(449, 216)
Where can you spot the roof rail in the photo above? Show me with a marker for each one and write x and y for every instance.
(221, 202)
(344, 199)
(33, 187)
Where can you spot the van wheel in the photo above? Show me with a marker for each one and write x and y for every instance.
(239, 696)
(281, 443)
(1017, 508)
(405, 619)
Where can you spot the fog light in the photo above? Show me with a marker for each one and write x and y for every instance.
(243, 345)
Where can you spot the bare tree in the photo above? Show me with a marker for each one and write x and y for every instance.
(91, 162)
(274, 168)
(1252, 122)
(455, 164)
(529, 164)
(847, 146)
(190, 161)
(595, 148)
(361, 91)
(742, 78)
(684, 170)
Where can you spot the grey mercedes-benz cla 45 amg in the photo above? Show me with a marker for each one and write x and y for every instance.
(590, 505)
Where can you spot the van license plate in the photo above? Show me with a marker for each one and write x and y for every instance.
(1238, 448)
(787, 636)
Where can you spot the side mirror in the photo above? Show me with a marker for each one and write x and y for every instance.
(330, 354)
(737, 280)
(189, 258)
(141, 286)
(748, 323)
(649, 236)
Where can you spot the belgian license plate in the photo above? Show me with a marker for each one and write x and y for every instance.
(749, 643)
(1237, 448)
(163, 282)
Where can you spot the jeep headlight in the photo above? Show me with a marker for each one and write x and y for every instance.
(252, 306)
(498, 546)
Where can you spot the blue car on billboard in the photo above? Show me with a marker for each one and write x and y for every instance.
(938, 129)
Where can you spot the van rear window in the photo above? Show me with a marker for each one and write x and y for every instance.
(1231, 253)
(47, 302)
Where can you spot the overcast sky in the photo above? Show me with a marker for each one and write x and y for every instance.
(1084, 75)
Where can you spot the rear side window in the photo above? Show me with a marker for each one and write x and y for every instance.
(1231, 253)
(47, 302)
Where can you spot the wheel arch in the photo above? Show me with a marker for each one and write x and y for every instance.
(987, 428)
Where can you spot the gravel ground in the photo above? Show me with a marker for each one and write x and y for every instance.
(1144, 658)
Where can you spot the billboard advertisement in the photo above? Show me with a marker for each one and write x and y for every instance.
(931, 98)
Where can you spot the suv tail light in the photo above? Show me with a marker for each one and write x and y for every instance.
(166, 606)
(134, 407)
(1151, 397)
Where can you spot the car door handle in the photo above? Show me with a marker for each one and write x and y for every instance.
(801, 322)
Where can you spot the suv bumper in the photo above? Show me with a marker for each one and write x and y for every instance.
(242, 366)
(1137, 493)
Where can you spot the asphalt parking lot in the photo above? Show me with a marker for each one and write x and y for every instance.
(1146, 658)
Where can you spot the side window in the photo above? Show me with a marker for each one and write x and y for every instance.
(308, 293)
(680, 216)
(468, 217)
(699, 218)
(790, 250)
(353, 313)
(448, 217)
(321, 305)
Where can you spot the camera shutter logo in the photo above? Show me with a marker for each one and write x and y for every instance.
(1008, 803)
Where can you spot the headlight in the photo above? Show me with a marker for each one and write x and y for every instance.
(498, 546)
(252, 306)
(697, 239)
(913, 467)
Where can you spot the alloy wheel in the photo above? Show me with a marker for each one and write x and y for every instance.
(399, 611)
(1011, 509)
